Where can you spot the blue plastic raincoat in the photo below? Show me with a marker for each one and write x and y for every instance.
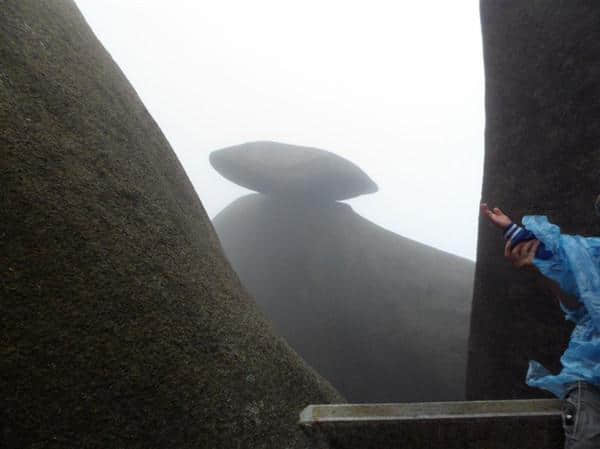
(575, 266)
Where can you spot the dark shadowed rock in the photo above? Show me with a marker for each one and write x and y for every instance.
(291, 170)
(384, 318)
(122, 325)
(542, 138)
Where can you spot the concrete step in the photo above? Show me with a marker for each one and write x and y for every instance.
(512, 424)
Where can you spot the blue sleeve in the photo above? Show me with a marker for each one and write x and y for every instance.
(516, 234)
(574, 265)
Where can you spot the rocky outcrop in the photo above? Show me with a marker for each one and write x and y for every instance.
(542, 134)
(122, 325)
(384, 318)
(293, 171)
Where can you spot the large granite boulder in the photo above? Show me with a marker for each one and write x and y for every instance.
(122, 325)
(541, 157)
(384, 318)
(292, 171)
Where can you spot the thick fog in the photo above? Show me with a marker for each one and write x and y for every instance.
(395, 87)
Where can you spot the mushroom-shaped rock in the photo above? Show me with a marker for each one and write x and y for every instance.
(291, 170)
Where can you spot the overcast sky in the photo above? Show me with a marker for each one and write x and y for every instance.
(394, 86)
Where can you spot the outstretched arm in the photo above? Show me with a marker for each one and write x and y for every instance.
(522, 254)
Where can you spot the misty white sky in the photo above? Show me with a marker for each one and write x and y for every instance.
(394, 86)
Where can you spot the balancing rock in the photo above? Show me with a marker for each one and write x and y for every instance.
(290, 170)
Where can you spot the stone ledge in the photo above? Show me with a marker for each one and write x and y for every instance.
(521, 424)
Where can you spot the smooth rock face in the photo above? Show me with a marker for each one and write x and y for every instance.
(542, 134)
(122, 325)
(291, 170)
(382, 317)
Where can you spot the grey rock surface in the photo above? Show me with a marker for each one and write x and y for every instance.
(121, 323)
(292, 170)
(541, 157)
(384, 318)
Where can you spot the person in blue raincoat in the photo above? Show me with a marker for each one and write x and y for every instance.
(571, 266)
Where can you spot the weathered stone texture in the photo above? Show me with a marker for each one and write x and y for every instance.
(121, 324)
(542, 157)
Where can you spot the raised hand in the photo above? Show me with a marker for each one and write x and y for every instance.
(496, 216)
